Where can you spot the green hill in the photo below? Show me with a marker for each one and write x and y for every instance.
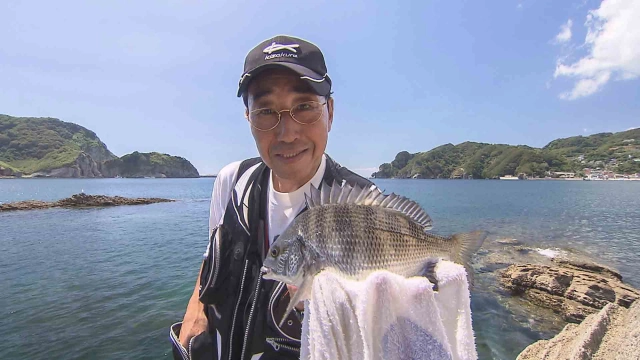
(615, 152)
(51, 147)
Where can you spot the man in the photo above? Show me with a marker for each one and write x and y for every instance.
(233, 313)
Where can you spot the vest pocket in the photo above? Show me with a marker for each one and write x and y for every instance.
(179, 352)
(222, 263)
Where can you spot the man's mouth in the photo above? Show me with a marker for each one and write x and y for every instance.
(291, 155)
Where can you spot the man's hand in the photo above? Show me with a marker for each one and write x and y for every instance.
(194, 322)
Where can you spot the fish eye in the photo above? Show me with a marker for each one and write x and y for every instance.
(274, 251)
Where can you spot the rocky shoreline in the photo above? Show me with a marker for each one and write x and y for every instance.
(80, 201)
(599, 311)
(572, 289)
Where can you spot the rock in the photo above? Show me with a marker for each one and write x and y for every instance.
(5, 171)
(81, 201)
(573, 290)
(611, 333)
(84, 200)
(588, 266)
(25, 205)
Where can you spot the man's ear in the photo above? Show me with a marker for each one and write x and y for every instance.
(330, 112)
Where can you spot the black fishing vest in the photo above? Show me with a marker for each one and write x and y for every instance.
(243, 309)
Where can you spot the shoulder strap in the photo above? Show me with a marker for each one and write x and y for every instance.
(339, 173)
(244, 166)
(238, 199)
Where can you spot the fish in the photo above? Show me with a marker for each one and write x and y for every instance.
(354, 231)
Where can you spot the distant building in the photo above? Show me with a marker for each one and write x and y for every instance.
(628, 140)
(564, 175)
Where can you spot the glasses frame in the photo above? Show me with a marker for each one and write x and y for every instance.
(290, 114)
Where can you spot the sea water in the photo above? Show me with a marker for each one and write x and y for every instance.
(107, 283)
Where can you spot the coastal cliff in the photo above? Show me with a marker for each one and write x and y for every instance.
(48, 147)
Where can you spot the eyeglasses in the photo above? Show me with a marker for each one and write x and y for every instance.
(305, 113)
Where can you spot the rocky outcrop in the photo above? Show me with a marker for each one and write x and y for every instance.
(84, 166)
(136, 165)
(611, 333)
(570, 288)
(80, 201)
(6, 171)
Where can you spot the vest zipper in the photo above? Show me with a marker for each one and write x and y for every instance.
(253, 307)
(276, 343)
(190, 347)
(235, 312)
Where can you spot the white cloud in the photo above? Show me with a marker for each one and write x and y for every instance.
(631, 128)
(565, 32)
(613, 35)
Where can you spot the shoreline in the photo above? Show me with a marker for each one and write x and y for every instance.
(98, 178)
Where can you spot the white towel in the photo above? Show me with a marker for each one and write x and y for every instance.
(387, 316)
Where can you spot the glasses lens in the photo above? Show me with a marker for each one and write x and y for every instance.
(307, 112)
(263, 119)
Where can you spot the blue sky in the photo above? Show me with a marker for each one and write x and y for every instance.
(162, 75)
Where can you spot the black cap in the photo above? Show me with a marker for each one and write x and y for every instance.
(290, 52)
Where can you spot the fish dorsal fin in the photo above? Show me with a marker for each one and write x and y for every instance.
(369, 196)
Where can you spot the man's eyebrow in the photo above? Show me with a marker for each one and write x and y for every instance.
(302, 89)
(259, 93)
(299, 88)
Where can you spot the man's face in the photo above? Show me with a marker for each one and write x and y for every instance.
(292, 150)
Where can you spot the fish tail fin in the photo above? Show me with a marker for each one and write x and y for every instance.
(464, 246)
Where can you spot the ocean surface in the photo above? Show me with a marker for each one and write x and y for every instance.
(107, 283)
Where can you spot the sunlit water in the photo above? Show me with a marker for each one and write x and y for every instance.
(107, 283)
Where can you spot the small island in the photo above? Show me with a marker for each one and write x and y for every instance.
(81, 200)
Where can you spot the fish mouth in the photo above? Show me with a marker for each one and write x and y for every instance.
(265, 270)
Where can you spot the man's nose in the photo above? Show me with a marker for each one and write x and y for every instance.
(288, 129)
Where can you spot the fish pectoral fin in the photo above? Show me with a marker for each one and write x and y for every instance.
(428, 270)
(303, 292)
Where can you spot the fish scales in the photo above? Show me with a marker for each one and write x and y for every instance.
(358, 239)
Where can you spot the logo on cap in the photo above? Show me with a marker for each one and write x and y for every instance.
(277, 47)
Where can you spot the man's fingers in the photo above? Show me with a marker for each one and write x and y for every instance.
(292, 290)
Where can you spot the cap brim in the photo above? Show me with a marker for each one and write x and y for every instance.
(319, 83)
